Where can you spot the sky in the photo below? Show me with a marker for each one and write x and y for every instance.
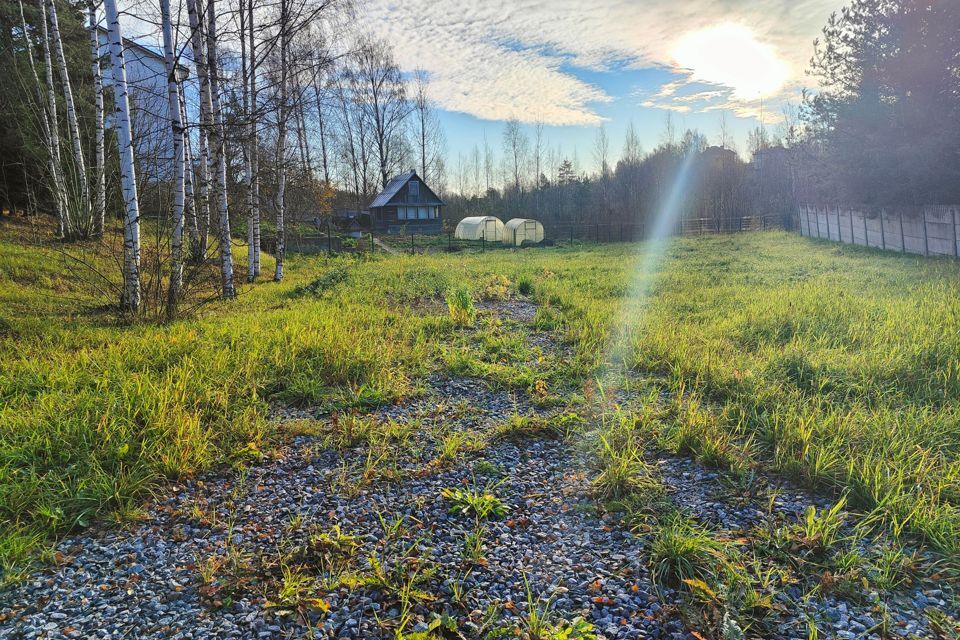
(576, 66)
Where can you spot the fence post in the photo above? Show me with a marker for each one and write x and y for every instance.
(853, 240)
(866, 234)
(883, 233)
(903, 238)
(413, 246)
(483, 242)
(926, 242)
(596, 233)
(953, 226)
(372, 243)
(819, 235)
(329, 240)
(571, 234)
(449, 240)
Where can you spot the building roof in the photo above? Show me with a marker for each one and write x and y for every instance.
(393, 187)
(182, 70)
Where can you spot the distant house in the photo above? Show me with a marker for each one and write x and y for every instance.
(407, 204)
(147, 86)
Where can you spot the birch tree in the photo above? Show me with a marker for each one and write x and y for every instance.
(248, 57)
(73, 126)
(64, 223)
(254, 142)
(427, 133)
(217, 141)
(199, 250)
(179, 161)
(281, 150)
(383, 102)
(99, 197)
(128, 180)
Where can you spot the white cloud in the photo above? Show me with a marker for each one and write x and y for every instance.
(499, 58)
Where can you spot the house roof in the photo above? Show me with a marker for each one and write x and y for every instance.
(394, 186)
(143, 50)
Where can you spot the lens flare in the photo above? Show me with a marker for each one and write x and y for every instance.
(647, 265)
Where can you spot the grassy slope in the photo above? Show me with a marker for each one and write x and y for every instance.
(833, 363)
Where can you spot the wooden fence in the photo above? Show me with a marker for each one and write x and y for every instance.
(930, 230)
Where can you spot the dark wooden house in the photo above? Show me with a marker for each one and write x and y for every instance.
(407, 204)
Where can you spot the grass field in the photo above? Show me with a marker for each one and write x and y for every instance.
(832, 364)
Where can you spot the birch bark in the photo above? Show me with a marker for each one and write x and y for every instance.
(99, 197)
(199, 250)
(282, 146)
(130, 299)
(217, 141)
(254, 147)
(189, 204)
(245, 23)
(176, 129)
(64, 224)
(73, 126)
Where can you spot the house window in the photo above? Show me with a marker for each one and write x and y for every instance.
(413, 191)
(401, 213)
(422, 213)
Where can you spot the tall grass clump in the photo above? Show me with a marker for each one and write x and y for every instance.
(460, 304)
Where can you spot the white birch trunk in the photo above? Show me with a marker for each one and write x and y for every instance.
(64, 224)
(217, 141)
(199, 250)
(189, 204)
(99, 197)
(282, 146)
(248, 113)
(128, 178)
(176, 129)
(73, 126)
(254, 148)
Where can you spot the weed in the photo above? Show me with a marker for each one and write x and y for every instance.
(539, 622)
(525, 285)
(820, 531)
(482, 504)
(682, 551)
(487, 468)
(460, 304)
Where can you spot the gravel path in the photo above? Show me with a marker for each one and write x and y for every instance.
(210, 556)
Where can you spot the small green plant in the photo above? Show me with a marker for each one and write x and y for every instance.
(473, 545)
(460, 304)
(525, 285)
(487, 468)
(820, 531)
(623, 472)
(682, 551)
(480, 503)
(539, 622)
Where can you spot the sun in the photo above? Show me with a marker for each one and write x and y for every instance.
(731, 55)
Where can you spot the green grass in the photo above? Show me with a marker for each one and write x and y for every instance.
(835, 364)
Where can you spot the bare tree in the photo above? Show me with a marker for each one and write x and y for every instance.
(199, 251)
(281, 147)
(130, 299)
(516, 146)
(99, 199)
(64, 224)
(218, 142)
(73, 125)
(427, 133)
(179, 161)
(382, 99)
